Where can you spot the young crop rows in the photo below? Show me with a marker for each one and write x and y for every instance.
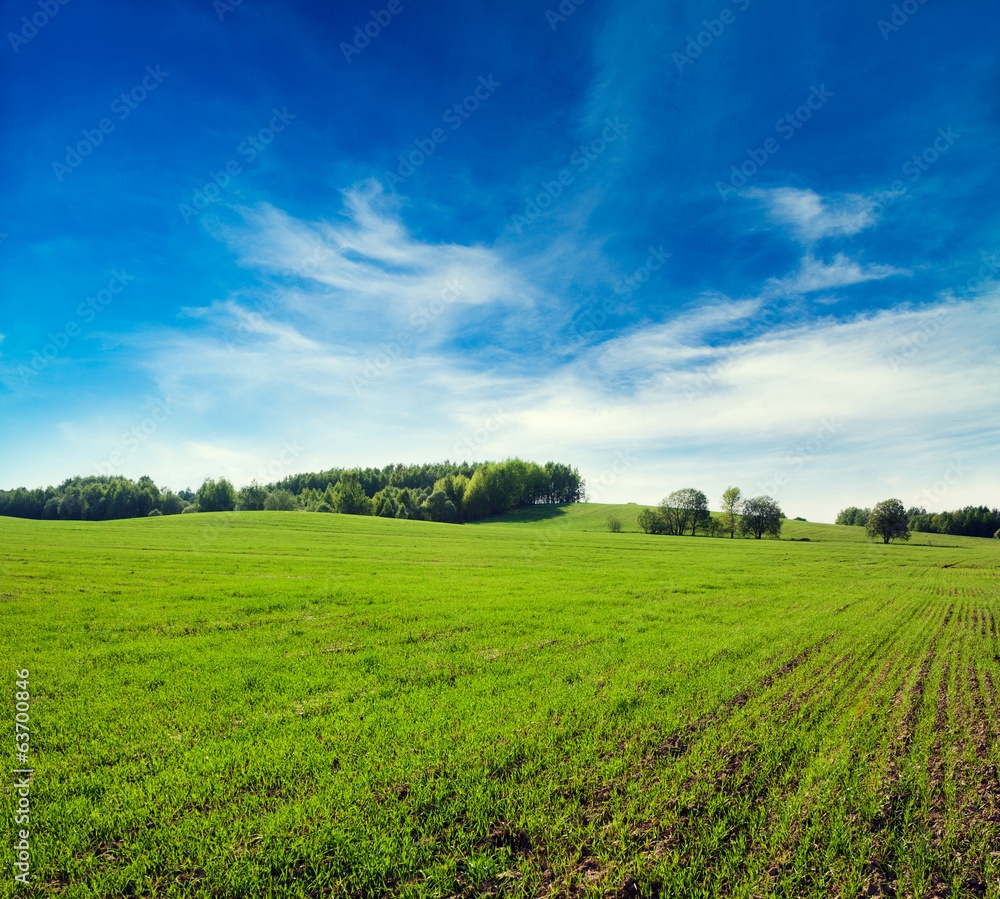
(318, 706)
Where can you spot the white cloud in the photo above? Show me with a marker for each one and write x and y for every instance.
(905, 388)
(812, 217)
(814, 275)
(369, 263)
(710, 397)
(822, 415)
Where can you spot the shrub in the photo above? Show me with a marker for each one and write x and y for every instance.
(715, 527)
(280, 500)
(650, 521)
(614, 524)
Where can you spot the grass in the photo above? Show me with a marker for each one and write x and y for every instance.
(280, 704)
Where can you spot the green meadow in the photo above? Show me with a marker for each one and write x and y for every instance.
(306, 705)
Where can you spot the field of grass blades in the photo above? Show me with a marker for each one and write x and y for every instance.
(306, 705)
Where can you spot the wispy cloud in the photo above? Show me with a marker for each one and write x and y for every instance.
(815, 274)
(702, 381)
(811, 217)
(369, 261)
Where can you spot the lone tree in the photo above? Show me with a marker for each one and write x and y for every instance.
(761, 515)
(888, 520)
(683, 509)
(732, 503)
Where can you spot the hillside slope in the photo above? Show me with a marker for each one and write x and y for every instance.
(592, 517)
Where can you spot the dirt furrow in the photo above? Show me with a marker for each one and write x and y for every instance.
(979, 800)
(882, 868)
(938, 764)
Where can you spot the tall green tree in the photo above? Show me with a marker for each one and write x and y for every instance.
(888, 521)
(280, 500)
(732, 502)
(252, 497)
(352, 499)
(438, 507)
(761, 516)
(853, 516)
(216, 496)
(683, 509)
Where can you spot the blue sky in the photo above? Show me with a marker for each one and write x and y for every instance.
(681, 244)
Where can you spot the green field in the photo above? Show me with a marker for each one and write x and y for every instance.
(295, 704)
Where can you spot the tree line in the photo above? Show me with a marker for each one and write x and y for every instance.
(447, 491)
(970, 521)
(686, 512)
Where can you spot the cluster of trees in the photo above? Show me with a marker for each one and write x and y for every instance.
(442, 492)
(460, 493)
(971, 521)
(560, 484)
(686, 511)
(97, 498)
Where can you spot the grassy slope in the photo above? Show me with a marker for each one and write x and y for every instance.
(593, 517)
(336, 705)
